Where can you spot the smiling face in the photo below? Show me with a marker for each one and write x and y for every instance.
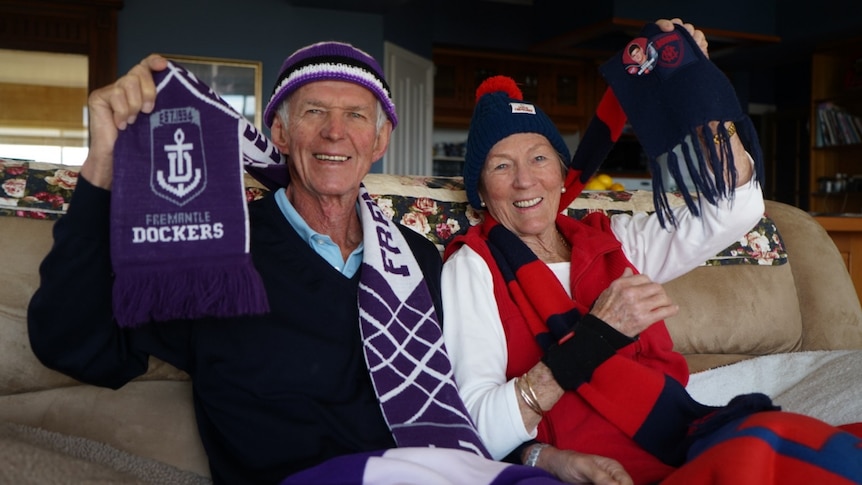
(637, 54)
(521, 183)
(331, 139)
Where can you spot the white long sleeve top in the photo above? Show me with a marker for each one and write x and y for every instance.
(473, 332)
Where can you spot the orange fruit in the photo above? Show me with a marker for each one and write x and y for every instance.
(617, 187)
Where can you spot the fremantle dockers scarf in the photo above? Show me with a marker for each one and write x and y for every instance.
(180, 250)
(403, 343)
(179, 222)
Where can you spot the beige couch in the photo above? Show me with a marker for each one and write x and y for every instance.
(740, 306)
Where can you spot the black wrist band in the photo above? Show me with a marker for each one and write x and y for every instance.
(573, 360)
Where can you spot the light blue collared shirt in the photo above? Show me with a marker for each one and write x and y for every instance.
(320, 243)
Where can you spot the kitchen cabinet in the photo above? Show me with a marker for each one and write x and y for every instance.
(563, 88)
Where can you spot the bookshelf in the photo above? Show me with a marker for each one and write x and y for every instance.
(836, 129)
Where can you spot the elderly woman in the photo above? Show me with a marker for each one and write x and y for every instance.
(555, 325)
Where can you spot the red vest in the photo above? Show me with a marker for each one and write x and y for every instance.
(597, 260)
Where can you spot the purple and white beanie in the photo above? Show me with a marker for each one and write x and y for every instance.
(336, 61)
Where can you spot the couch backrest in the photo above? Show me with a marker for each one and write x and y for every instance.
(772, 291)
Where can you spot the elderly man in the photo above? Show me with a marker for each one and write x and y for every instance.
(277, 392)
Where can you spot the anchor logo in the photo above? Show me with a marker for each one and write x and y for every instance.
(177, 155)
(180, 163)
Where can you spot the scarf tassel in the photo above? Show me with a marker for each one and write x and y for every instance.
(181, 292)
(691, 168)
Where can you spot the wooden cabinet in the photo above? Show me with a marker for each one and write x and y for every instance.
(846, 232)
(835, 184)
(563, 88)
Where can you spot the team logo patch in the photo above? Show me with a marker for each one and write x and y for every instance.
(671, 50)
(662, 54)
(178, 164)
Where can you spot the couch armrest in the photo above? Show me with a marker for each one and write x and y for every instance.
(831, 312)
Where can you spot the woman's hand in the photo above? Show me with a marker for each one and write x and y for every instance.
(573, 467)
(632, 303)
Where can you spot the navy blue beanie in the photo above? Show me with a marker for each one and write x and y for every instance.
(500, 112)
(670, 92)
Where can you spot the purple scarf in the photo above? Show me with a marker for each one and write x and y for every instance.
(179, 221)
(403, 343)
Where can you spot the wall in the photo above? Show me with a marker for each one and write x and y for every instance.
(262, 30)
(268, 30)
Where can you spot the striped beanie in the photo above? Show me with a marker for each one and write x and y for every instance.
(335, 61)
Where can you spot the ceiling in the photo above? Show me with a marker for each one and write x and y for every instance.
(605, 37)
(375, 6)
(597, 40)
(799, 30)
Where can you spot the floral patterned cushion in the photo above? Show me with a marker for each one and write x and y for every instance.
(36, 190)
(435, 207)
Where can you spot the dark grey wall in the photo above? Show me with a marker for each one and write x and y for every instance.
(269, 30)
(261, 30)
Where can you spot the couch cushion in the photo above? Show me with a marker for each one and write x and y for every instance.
(153, 419)
(25, 242)
(34, 189)
(437, 208)
(712, 307)
(29, 454)
(759, 293)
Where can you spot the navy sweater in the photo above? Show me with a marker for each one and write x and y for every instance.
(272, 394)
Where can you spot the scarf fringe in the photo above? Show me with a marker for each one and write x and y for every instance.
(690, 160)
(141, 295)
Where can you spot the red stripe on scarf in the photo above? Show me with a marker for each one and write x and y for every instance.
(602, 132)
(612, 114)
(746, 458)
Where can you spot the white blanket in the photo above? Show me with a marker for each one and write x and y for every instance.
(823, 384)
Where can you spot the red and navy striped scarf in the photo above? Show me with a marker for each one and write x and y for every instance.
(549, 311)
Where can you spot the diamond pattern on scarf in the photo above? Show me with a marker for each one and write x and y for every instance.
(403, 343)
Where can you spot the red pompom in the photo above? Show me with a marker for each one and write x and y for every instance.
(499, 83)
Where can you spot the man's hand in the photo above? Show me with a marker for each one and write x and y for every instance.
(698, 36)
(632, 303)
(113, 108)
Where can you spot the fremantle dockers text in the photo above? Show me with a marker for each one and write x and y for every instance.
(178, 227)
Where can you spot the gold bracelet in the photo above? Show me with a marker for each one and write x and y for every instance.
(532, 393)
(529, 397)
(718, 138)
(534, 406)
